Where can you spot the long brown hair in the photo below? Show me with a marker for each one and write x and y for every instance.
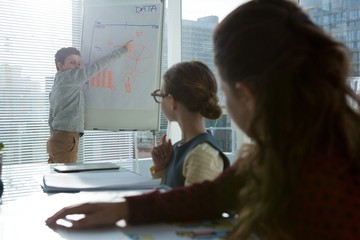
(298, 75)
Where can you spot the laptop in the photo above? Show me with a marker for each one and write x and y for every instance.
(81, 167)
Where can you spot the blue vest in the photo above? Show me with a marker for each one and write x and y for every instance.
(174, 172)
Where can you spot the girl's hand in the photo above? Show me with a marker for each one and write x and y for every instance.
(95, 215)
(161, 154)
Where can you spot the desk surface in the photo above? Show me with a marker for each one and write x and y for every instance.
(25, 219)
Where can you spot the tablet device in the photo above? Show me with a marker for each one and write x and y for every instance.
(80, 167)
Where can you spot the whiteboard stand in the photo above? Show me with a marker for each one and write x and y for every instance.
(174, 132)
(136, 153)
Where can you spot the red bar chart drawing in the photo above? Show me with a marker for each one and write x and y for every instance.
(102, 79)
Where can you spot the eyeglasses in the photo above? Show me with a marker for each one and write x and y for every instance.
(158, 96)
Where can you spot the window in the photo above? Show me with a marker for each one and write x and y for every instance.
(198, 22)
(347, 29)
(199, 19)
(348, 23)
(32, 31)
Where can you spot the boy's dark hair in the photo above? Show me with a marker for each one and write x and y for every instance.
(64, 53)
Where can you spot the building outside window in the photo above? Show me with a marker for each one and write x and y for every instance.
(341, 19)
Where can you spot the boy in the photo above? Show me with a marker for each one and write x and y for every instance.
(66, 115)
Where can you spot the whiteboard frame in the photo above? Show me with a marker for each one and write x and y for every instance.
(125, 119)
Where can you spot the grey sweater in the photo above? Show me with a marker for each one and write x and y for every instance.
(67, 107)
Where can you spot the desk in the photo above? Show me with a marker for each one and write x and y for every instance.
(25, 219)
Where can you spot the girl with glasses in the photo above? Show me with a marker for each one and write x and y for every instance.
(188, 96)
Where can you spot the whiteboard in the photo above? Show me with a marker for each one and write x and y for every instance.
(118, 97)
